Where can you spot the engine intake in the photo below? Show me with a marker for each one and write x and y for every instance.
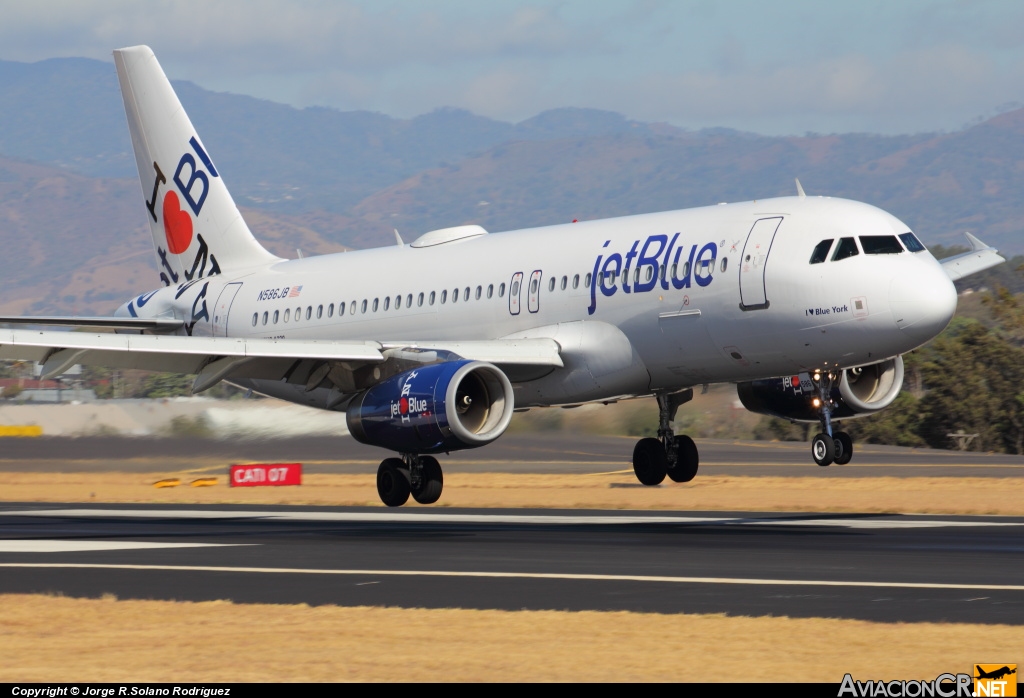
(858, 392)
(447, 406)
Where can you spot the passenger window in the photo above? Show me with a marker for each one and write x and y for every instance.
(387, 302)
(276, 315)
(444, 296)
(820, 253)
(398, 302)
(341, 309)
(880, 244)
(431, 297)
(255, 318)
(912, 243)
(586, 281)
(362, 308)
(408, 300)
(551, 284)
(847, 247)
(319, 312)
(515, 288)
(479, 292)
(636, 275)
(287, 314)
(501, 290)
(265, 315)
(725, 263)
(298, 314)
(490, 290)
(419, 300)
(330, 310)
(466, 294)
(576, 281)
(376, 304)
(352, 308)
(565, 282)
(455, 296)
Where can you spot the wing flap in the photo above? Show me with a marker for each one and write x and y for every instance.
(507, 352)
(58, 350)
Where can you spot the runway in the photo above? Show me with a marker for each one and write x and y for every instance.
(873, 567)
(556, 452)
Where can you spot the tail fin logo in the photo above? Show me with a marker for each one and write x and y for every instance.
(177, 224)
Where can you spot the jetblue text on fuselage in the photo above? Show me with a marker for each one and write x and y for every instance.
(646, 266)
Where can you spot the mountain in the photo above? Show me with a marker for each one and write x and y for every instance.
(73, 225)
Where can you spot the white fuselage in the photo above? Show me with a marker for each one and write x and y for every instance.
(735, 313)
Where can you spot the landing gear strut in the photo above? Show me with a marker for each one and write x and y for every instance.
(419, 476)
(829, 446)
(671, 455)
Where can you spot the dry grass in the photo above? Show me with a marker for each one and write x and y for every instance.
(934, 495)
(48, 639)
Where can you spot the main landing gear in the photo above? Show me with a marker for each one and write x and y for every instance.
(419, 476)
(829, 446)
(675, 456)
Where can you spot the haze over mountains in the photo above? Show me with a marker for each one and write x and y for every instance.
(72, 217)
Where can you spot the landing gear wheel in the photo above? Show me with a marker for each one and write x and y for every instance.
(393, 482)
(649, 461)
(687, 460)
(844, 447)
(430, 482)
(823, 449)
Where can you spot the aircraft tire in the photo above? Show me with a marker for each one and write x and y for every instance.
(393, 482)
(650, 464)
(844, 447)
(823, 449)
(687, 460)
(431, 482)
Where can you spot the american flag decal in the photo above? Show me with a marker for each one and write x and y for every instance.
(295, 292)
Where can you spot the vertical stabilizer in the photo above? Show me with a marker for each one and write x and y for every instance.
(197, 229)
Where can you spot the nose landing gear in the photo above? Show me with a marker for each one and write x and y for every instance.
(420, 476)
(671, 455)
(829, 446)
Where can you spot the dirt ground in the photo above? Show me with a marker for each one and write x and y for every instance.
(48, 639)
(618, 490)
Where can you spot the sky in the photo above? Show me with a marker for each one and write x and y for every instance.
(788, 67)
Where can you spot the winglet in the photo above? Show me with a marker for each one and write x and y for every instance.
(799, 189)
(398, 238)
(976, 244)
(979, 258)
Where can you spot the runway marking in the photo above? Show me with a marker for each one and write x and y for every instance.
(519, 575)
(86, 546)
(515, 519)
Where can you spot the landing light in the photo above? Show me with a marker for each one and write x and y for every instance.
(816, 402)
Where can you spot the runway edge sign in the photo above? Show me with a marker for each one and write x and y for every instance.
(265, 474)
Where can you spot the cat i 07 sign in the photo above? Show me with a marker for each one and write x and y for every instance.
(266, 474)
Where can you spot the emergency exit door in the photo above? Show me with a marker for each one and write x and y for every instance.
(222, 308)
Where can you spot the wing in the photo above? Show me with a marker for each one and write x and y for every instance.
(980, 258)
(213, 359)
(110, 323)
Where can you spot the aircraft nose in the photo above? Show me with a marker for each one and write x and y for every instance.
(922, 303)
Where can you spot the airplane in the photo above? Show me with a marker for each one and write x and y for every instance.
(806, 303)
(995, 674)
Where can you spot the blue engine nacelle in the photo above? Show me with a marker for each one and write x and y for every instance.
(858, 392)
(440, 407)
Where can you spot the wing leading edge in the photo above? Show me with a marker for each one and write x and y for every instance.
(980, 258)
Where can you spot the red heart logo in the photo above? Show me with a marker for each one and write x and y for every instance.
(177, 224)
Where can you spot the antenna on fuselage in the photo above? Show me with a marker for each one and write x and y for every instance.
(799, 188)
(398, 238)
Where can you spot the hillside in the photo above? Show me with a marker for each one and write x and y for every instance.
(321, 179)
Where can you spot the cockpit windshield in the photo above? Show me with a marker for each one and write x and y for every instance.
(912, 243)
(880, 244)
(847, 247)
(820, 253)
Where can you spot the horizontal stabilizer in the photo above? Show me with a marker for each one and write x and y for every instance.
(980, 258)
(114, 323)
